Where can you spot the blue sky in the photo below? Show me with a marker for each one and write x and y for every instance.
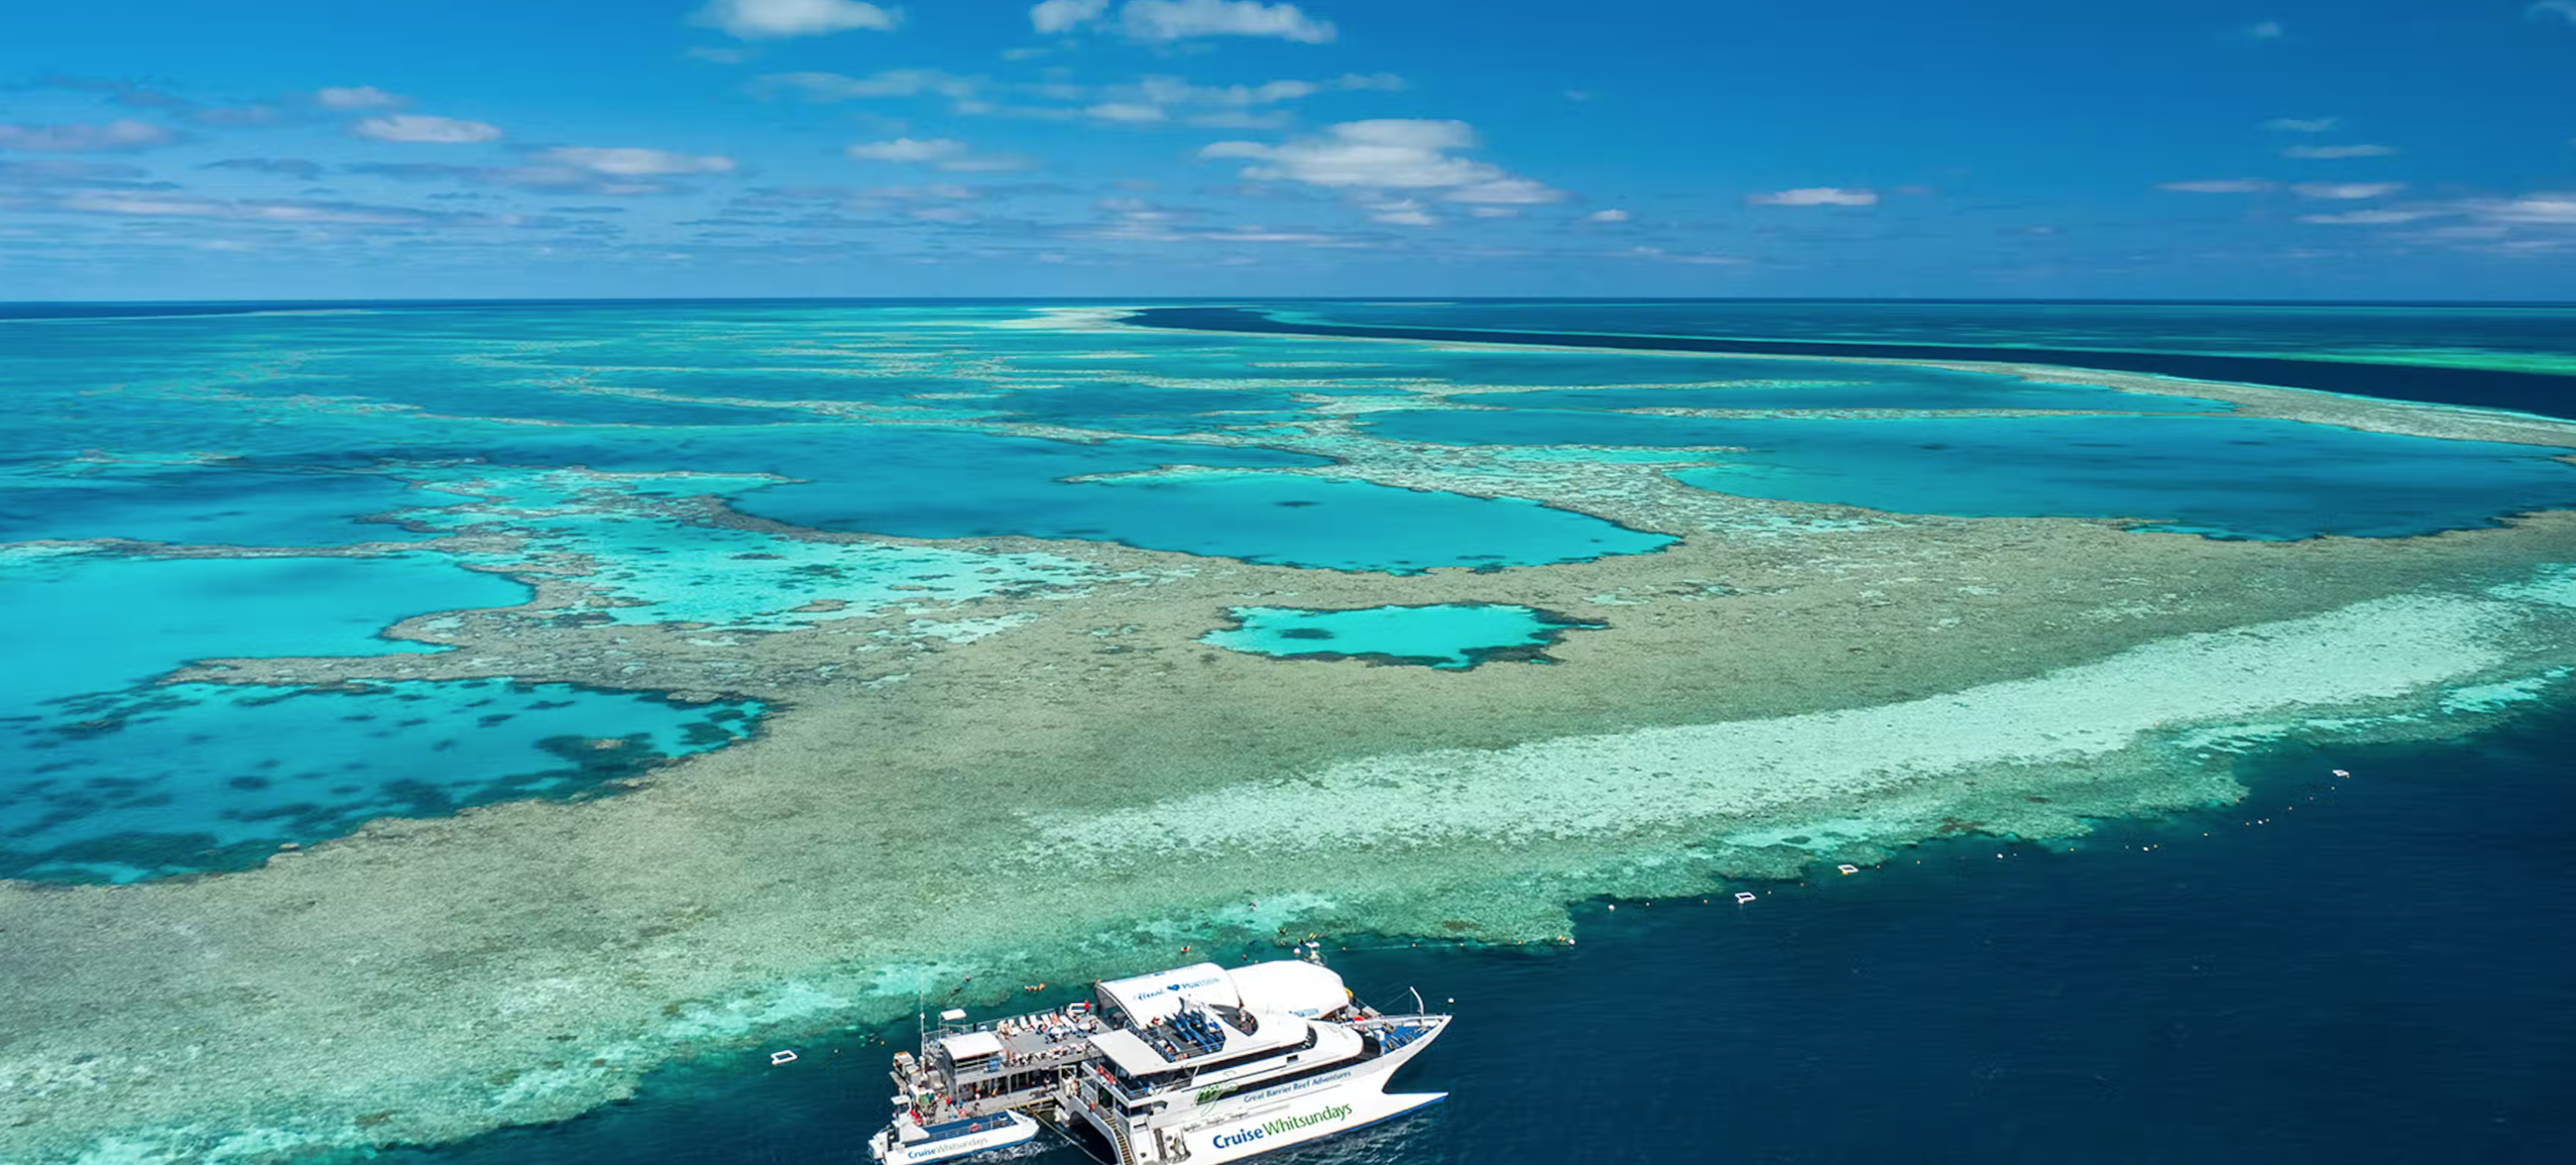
(2414, 149)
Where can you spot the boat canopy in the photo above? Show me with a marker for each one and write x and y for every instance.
(1132, 1055)
(969, 1045)
(1147, 998)
(1280, 987)
(1289, 987)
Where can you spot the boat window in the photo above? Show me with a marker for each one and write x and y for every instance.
(1239, 1061)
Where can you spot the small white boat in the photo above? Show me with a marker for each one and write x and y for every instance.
(909, 1142)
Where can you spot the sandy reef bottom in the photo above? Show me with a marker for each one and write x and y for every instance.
(1095, 790)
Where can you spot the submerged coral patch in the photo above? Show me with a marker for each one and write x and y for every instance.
(188, 778)
(1453, 636)
(647, 563)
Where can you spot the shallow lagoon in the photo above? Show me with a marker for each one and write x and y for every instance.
(103, 622)
(1452, 636)
(656, 568)
(194, 777)
(2222, 477)
(1337, 525)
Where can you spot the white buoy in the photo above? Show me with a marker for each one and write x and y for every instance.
(781, 1056)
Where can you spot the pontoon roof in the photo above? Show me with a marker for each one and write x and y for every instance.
(1280, 987)
(1147, 998)
(1289, 987)
(1132, 1055)
(968, 1045)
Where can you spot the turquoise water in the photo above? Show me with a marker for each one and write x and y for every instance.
(654, 567)
(2223, 477)
(1132, 408)
(1341, 525)
(201, 506)
(1835, 387)
(617, 437)
(1446, 635)
(104, 622)
(194, 777)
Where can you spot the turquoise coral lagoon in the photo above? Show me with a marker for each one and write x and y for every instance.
(190, 778)
(890, 628)
(1443, 635)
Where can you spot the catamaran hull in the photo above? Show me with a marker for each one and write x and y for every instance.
(1312, 1120)
(1266, 1120)
(1013, 1129)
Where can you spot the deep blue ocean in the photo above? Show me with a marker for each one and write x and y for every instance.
(2380, 972)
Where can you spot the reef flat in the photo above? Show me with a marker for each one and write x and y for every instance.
(989, 756)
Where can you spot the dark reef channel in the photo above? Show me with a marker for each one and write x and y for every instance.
(2529, 392)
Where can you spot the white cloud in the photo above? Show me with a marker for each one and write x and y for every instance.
(1494, 211)
(1606, 216)
(2560, 8)
(356, 97)
(1175, 91)
(269, 211)
(421, 127)
(1064, 15)
(764, 19)
(107, 137)
(2218, 186)
(907, 150)
(634, 161)
(1127, 111)
(1403, 212)
(2302, 124)
(2370, 217)
(2338, 151)
(2533, 209)
(2267, 30)
(945, 153)
(1262, 234)
(2347, 190)
(890, 83)
(1170, 20)
(1816, 196)
(1521, 191)
(1159, 98)
(1387, 154)
(1661, 255)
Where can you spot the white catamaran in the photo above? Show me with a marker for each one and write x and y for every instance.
(1197, 1064)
